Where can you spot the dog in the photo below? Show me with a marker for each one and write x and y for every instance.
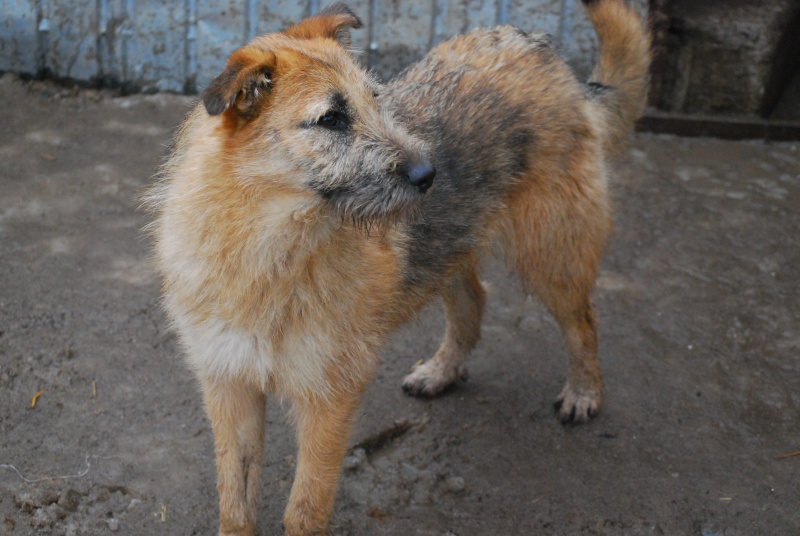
(307, 210)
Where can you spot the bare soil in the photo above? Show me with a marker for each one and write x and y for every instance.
(700, 336)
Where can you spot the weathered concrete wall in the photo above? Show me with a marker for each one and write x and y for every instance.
(727, 57)
(153, 45)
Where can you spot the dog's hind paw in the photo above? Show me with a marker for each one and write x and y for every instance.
(577, 405)
(430, 378)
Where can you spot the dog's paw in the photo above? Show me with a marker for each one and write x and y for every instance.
(577, 405)
(430, 379)
(245, 531)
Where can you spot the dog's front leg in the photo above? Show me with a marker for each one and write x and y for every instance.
(237, 409)
(323, 427)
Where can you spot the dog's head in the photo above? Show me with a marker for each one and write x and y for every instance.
(298, 111)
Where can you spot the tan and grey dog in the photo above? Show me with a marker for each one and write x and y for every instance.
(308, 210)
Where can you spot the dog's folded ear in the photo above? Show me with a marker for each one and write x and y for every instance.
(333, 22)
(247, 78)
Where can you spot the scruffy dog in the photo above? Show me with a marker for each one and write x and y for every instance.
(308, 210)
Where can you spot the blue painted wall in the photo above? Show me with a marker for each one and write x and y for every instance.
(180, 46)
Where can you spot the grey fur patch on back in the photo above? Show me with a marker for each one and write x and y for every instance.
(511, 38)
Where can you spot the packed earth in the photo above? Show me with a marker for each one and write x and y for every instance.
(102, 428)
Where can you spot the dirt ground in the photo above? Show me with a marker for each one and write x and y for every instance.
(700, 335)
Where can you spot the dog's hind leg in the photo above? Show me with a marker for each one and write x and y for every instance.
(237, 413)
(581, 396)
(556, 248)
(464, 299)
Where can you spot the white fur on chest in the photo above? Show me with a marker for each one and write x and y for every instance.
(218, 346)
(217, 349)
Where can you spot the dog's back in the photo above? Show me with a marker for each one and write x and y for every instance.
(503, 112)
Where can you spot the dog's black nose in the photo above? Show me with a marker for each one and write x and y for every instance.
(421, 176)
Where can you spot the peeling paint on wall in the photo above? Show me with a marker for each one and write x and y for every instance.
(179, 46)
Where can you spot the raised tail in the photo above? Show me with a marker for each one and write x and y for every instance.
(620, 79)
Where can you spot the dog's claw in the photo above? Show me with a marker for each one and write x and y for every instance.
(428, 380)
(410, 389)
(419, 391)
(577, 406)
(567, 418)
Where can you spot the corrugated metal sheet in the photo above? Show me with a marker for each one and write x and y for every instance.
(180, 46)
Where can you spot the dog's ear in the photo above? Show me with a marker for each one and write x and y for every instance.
(246, 80)
(333, 22)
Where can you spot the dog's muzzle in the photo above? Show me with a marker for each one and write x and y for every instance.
(421, 175)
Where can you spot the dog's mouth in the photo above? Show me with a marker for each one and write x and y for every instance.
(376, 202)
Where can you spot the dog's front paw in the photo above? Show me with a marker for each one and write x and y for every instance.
(301, 524)
(577, 405)
(250, 530)
(430, 378)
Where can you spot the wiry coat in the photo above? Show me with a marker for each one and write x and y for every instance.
(294, 236)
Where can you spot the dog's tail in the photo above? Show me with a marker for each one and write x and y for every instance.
(620, 78)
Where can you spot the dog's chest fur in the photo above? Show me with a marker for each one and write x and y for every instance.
(277, 292)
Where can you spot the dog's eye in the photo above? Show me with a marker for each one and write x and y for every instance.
(333, 120)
